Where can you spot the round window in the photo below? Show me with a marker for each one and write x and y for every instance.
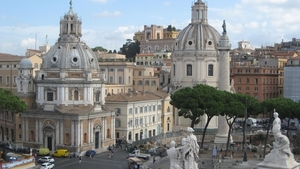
(92, 60)
(75, 59)
(54, 59)
(209, 42)
(190, 42)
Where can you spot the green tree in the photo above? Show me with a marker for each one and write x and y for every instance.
(10, 102)
(170, 28)
(197, 101)
(186, 101)
(130, 49)
(114, 51)
(99, 48)
(234, 107)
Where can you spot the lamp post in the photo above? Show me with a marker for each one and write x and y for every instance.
(245, 135)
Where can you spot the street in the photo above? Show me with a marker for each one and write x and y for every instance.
(118, 161)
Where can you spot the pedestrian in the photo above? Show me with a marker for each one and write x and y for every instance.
(112, 152)
(80, 158)
(92, 155)
(153, 159)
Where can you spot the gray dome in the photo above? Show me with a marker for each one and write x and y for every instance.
(70, 56)
(197, 36)
(25, 64)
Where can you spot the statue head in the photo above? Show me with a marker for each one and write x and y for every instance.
(190, 130)
(275, 114)
(172, 143)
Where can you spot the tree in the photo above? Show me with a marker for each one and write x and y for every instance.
(130, 49)
(234, 107)
(197, 101)
(99, 48)
(170, 28)
(114, 51)
(186, 101)
(10, 102)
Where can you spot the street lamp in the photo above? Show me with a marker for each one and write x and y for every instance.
(245, 135)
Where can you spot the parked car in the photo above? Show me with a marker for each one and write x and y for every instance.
(46, 159)
(47, 166)
(90, 152)
(61, 153)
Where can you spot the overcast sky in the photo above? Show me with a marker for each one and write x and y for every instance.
(108, 23)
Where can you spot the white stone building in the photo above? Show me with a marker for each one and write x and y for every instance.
(67, 110)
(201, 56)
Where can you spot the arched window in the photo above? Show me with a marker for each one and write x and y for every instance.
(97, 96)
(189, 70)
(158, 36)
(76, 95)
(129, 136)
(210, 70)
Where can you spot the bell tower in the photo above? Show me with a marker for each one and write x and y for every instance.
(199, 12)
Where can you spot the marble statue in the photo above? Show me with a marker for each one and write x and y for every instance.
(281, 155)
(185, 156)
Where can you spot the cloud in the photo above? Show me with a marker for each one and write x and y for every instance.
(167, 3)
(28, 43)
(252, 25)
(105, 14)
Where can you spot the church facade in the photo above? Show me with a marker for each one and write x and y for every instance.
(66, 98)
(201, 56)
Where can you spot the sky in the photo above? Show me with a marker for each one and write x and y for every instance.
(109, 23)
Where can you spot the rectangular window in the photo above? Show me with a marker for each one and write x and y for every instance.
(154, 108)
(7, 66)
(210, 70)
(7, 79)
(136, 110)
(141, 109)
(239, 80)
(130, 110)
(49, 96)
(121, 80)
(0, 66)
(147, 83)
(247, 70)
(149, 108)
(256, 89)
(102, 70)
(145, 109)
(111, 70)
(15, 80)
(120, 70)
(247, 88)
(153, 83)
(248, 80)
(140, 83)
(239, 88)
(20, 126)
(140, 73)
(256, 80)
(0, 79)
(111, 79)
(159, 107)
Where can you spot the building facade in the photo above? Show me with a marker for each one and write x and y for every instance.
(291, 79)
(68, 107)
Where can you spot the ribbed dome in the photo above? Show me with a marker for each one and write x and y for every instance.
(25, 64)
(70, 56)
(197, 36)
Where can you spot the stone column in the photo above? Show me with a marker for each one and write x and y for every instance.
(23, 129)
(57, 132)
(26, 128)
(40, 131)
(36, 129)
(61, 133)
(72, 133)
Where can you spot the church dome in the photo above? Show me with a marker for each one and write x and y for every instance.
(198, 35)
(25, 64)
(69, 52)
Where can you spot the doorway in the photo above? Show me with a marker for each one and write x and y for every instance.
(97, 134)
(49, 143)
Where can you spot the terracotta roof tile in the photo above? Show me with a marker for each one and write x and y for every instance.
(8, 57)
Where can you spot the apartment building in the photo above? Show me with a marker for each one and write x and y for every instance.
(259, 81)
(291, 89)
(155, 39)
